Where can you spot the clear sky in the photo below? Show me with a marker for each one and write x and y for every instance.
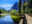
(7, 4)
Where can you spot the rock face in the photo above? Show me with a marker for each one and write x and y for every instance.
(15, 6)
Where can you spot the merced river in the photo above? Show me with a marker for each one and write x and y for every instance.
(7, 19)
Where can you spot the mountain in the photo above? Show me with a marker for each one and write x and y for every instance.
(15, 6)
(1, 8)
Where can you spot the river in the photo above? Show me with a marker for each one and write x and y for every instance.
(7, 19)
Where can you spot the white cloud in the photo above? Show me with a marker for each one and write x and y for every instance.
(6, 6)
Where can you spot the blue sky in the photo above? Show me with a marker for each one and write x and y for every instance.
(7, 4)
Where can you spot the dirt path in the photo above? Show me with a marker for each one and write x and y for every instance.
(29, 19)
(21, 21)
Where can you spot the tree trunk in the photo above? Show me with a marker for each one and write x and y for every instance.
(19, 7)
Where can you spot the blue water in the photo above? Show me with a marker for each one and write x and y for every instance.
(6, 20)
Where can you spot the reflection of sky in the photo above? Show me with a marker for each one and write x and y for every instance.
(6, 18)
(7, 4)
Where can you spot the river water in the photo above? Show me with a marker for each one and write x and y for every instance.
(6, 20)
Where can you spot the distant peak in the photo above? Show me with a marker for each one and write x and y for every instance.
(1, 8)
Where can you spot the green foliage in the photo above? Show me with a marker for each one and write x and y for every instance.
(25, 4)
(14, 16)
(3, 12)
(1, 16)
(28, 10)
(13, 12)
(22, 11)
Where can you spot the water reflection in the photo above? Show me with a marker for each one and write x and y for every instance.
(6, 19)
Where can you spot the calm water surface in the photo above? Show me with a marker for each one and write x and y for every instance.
(6, 20)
